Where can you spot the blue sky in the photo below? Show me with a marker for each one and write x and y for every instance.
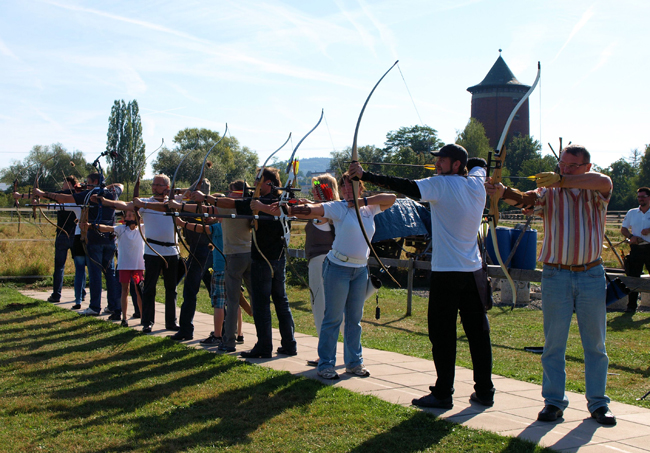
(267, 68)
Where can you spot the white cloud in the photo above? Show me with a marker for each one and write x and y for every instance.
(577, 27)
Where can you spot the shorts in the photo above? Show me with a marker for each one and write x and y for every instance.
(218, 298)
(125, 275)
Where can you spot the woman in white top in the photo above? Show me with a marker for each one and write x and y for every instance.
(345, 275)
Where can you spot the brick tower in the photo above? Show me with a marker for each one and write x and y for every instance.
(494, 98)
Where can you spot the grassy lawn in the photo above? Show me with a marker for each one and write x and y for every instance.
(69, 383)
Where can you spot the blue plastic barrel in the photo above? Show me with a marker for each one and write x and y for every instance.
(505, 244)
(526, 253)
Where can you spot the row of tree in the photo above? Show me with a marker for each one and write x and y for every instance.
(407, 148)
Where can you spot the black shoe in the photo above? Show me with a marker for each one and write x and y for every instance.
(550, 413)
(223, 348)
(627, 310)
(179, 336)
(76, 307)
(135, 316)
(312, 362)
(124, 323)
(431, 401)
(173, 327)
(115, 316)
(53, 300)
(240, 339)
(284, 351)
(211, 339)
(604, 416)
(146, 329)
(253, 354)
(482, 401)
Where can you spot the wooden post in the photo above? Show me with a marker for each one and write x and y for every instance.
(409, 294)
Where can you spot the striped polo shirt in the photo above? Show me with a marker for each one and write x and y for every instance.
(574, 225)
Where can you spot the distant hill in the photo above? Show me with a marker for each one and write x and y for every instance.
(314, 165)
(307, 166)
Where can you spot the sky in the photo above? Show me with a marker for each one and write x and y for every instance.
(268, 68)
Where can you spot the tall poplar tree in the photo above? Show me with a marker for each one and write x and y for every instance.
(124, 142)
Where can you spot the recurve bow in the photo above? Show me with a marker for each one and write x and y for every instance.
(355, 183)
(498, 158)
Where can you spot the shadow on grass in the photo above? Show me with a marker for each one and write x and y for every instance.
(627, 321)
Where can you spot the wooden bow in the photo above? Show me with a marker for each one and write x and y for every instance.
(355, 183)
(498, 158)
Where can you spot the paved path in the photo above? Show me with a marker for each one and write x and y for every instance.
(398, 379)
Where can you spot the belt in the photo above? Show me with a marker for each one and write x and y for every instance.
(576, 267)
(347, 259)
(161, 243)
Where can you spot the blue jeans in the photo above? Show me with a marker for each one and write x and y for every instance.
(195, 270)
(562, 292)
(79, 278)
(62, 244)
(104, 254)
(345, 293)
(264, 289)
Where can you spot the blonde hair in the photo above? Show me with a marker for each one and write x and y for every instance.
(331, 182)
(165, 177)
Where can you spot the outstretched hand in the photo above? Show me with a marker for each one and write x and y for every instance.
(355, 170)
(493, 189)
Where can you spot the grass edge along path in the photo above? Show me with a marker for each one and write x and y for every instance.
(69, 383)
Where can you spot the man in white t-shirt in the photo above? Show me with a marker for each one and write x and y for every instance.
(636, 228)
(457, 200)
(161, 236)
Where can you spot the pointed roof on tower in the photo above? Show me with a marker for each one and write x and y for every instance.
(499, 76)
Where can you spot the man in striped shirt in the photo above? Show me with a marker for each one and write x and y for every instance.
(573, 204)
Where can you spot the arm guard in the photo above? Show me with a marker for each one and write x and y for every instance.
(525, 200)
(401, 185)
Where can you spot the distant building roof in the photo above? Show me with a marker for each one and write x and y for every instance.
(499, 76)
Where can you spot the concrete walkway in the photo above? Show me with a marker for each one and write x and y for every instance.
(398, 379)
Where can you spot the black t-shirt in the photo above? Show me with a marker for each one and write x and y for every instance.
(65, 220)
(269, 234)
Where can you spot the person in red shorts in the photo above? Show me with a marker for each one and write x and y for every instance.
(130, 257)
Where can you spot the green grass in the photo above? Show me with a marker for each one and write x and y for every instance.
(69, 383)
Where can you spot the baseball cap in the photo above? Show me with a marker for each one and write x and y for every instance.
(454, 151)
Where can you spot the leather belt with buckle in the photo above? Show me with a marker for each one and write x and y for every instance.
(576, 267)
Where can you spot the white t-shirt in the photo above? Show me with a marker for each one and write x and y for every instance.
(130, 248)
(77, 211)
(457, 205)
(349, 239)
(635, 221)
(159, 228)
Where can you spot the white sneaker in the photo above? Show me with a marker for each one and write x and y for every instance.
(107, 311)
(328, 373)
(358, 370)
(89, 312)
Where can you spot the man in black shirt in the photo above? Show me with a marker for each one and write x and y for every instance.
(270, 277)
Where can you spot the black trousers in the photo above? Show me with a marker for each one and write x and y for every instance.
(451, 293)
(153, 265)
(639, 257)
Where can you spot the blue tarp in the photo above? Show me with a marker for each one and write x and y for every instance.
(405, 218)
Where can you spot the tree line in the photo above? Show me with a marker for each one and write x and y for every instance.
(408, 147)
